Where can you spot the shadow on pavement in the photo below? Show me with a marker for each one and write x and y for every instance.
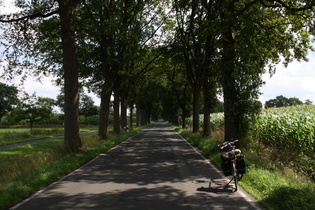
(155, 169)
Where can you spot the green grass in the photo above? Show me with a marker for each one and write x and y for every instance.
(271, 186)
(26, 169)
(17, 135)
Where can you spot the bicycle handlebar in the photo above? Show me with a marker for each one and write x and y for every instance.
(225, 144)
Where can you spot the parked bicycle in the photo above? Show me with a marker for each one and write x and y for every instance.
(233, 162)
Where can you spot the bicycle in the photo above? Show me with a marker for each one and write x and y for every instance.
(233, 162)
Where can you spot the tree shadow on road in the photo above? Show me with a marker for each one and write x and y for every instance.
(150, 171)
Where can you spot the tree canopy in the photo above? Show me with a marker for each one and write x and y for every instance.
(162, 57)
(281, 101)
(8, 98)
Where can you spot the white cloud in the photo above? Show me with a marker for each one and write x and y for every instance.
(298, 80)
(7, 7)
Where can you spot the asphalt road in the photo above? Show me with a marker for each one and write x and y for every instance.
(155, 169)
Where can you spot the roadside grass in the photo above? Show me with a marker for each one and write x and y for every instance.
(273, 187)
(26, 169)
(17, 135)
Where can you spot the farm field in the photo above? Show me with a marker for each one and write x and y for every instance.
(288, 137)
(17, 135)
(289, 128)
(285, 136)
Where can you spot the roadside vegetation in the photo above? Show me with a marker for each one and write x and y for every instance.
(279, 156)
(26, 169)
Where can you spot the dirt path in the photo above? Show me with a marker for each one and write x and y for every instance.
(155, 169)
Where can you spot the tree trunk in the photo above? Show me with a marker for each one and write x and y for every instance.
(228, 68)
(104, 110)
(124, 121)
(206, 114)
(130, 117)
(209, 91)
(116, 109)
(72, 138)
(138, 116)
(183, 120)
(196, 107)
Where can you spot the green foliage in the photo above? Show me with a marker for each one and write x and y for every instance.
(275, 191)
(216, 120)
(290, 129)
(281, 101)
(208, 146)
(93, 120)
(32, 109)
(290, 135)
(15, 135)
(8, 98)
(86, 106)
(291, 198)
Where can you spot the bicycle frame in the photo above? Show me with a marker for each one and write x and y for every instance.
(234, 174)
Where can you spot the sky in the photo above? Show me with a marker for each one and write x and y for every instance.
(297, 80)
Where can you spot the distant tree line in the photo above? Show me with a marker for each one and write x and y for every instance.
(281, 101)
(23, 108)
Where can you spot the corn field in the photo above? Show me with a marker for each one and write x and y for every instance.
(290, 129)
(288, 133)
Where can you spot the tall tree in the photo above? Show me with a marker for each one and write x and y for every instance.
(189, 19)
(177, 87)
(71, 74)
(255, 34)
(31, 11)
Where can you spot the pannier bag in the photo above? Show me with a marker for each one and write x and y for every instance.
(226, 166)
(240, 165)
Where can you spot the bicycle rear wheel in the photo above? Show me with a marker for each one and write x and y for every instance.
(239, 177)
(235, 175)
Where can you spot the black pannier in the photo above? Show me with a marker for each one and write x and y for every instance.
(226, 167)
(240, 165)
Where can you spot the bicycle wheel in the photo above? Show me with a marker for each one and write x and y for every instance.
(239, 177)
(234, 173)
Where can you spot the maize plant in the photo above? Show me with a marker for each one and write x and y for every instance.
(290, 129)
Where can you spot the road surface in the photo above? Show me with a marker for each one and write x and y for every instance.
(155, 169)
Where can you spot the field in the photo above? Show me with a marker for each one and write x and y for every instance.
(291, 129)
(288, 136)
(16, 135)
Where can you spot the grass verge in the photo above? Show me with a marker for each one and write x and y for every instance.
(272, 187)
(26, 169)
